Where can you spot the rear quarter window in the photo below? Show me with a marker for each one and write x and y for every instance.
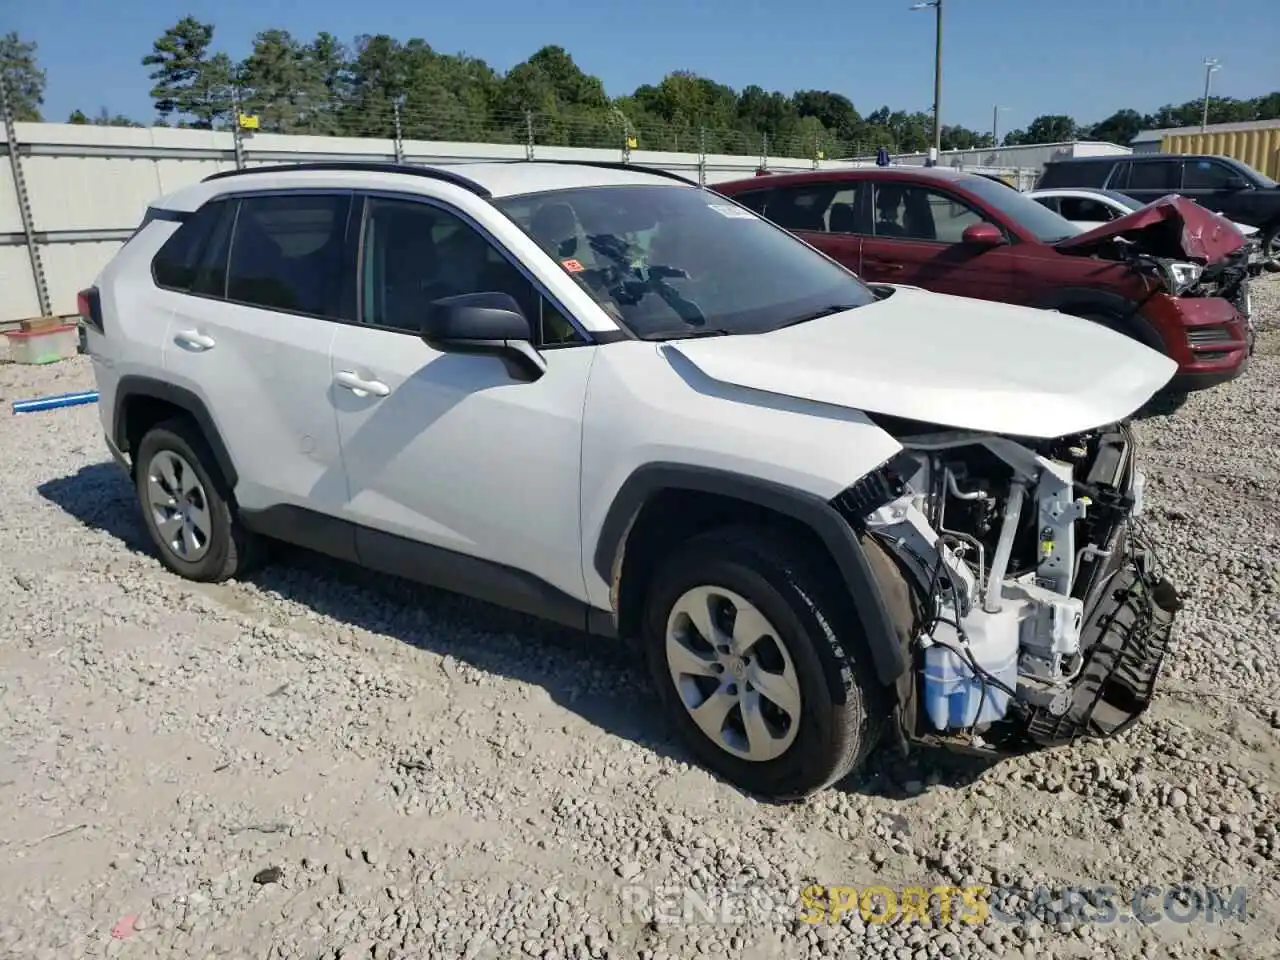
(178, 263)
(1075, 174)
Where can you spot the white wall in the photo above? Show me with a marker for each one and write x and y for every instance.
(87, 180)
(1026, 162)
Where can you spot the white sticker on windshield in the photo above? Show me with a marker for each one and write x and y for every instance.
(733, 213)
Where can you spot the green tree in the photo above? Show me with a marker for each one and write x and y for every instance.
(324, 87)
(1121, 127)
(565, 105)
(1267, 107)
(962, 138)
(834, 111)
(190, 81)
(1049, 128)
(21, 74)
(765, 114)
(282, 84)
(103, 119)
(328, 60)
(376, 76)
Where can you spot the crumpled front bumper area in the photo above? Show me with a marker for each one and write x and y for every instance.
(1125, 638)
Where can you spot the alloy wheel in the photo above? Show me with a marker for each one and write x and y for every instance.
(733, 673)
(179, 506)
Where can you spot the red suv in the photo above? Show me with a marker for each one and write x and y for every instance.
(1171, 274)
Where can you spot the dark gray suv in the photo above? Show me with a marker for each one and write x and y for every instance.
(1222, 184)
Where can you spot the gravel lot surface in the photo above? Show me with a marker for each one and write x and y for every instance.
(319, 764)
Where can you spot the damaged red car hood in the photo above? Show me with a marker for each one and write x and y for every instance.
(1172, 226)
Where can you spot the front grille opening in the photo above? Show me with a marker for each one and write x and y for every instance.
(1207, 336)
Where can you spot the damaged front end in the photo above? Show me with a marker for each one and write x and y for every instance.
(1188, 251)
(1041, 617)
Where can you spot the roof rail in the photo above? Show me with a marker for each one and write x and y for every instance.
(374, 166)
(614, 165)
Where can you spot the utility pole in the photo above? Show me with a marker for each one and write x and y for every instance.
(1211, 66)
(995, 126)
(937, 73)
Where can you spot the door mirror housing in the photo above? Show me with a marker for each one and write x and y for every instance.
(484, 323)
(1236, 182)
(982, 235)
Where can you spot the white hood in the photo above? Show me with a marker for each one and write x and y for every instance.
(951, 361)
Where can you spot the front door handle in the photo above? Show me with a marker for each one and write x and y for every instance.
(349, 380)
(195, 339)
(884, 265)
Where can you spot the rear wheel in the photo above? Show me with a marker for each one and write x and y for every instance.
(758, 663)
(187, 506)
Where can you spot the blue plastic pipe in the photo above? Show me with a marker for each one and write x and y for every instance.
(52, 403)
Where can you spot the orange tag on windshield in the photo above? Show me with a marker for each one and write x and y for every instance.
(573, 266)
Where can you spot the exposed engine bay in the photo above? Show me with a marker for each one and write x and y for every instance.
(1042, 619)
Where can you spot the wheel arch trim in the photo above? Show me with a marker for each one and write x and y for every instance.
(810, 510)
(132, 387)
(1072, 299)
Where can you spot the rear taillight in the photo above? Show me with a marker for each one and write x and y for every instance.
(89, 306)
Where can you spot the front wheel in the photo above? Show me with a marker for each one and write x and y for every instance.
(756, 660)
(1271, 249)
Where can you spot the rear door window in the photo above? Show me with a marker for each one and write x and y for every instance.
(756, 200)
(1154, 175)
(1075, 174)
(287, 253)
(1085, 209)
(814, 208)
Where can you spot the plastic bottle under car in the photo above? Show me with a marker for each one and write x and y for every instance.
(953, 695)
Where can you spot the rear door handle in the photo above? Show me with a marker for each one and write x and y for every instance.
(349, 380)
(195, 339)
(885, 265)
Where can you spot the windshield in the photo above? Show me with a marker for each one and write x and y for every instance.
(1123, 199)
(1258, 177)
(675, 261)
(1038, 220)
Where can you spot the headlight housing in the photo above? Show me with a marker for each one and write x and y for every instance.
(1180, 276)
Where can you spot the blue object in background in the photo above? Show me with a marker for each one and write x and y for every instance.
(882, 157)
(52, 403)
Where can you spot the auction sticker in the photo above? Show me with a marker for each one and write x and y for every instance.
(733, 213)
(573, 266)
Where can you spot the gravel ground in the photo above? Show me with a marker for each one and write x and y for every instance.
(319, 764)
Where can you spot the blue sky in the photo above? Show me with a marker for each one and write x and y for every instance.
(1031, 56)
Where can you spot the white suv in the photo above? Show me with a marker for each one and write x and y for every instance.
(605, 396)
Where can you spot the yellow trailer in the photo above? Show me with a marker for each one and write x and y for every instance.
(1259, 148)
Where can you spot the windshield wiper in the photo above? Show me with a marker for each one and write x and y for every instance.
(691, 335)
(820, 313)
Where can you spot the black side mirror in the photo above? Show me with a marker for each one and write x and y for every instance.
(484, 323)
(1236, 183)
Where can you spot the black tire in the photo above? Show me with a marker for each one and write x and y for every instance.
(1115, 324)
(842, 704)
(1167, 400)
(232, 549)
(1271, 245)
